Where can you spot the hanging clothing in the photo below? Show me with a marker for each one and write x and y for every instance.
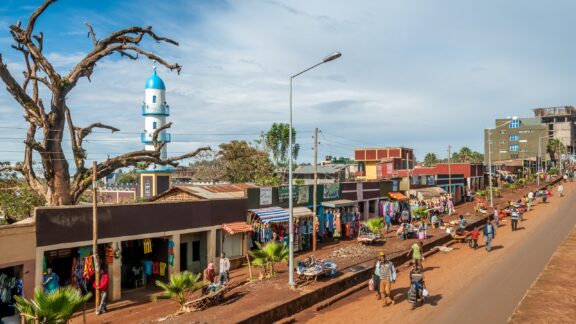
(155, 268)
(147, 246)
(88, 267)
(109, 255)
(162, 268)
(148, 267)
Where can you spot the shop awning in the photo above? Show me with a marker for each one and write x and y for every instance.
(272, 214)
(339, 203)
(299, 212)
(235, 228)
(397, 196)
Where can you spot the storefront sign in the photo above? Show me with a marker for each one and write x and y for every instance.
(303, 194)
(265, 196)
(283, 193)
(331, 190)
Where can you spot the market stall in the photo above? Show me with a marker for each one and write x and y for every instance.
(234, 242)
(397, 207)
(342, 218)
(311, 268)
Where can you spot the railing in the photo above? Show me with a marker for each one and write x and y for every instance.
(163, 110)
(162, 137)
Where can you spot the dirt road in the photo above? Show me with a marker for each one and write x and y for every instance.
(468, 286)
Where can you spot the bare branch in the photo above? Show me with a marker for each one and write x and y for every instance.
(35, 15)
(83, 132)
(91, 33)
(17, 167)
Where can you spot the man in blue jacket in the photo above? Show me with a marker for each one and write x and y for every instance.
(489, 234)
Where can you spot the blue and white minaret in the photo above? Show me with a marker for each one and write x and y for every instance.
(155, 110)
(156, 178)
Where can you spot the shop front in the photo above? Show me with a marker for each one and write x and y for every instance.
(340, 219)
(234, 242)
(272, 224)
(145, 261)
(397, 207)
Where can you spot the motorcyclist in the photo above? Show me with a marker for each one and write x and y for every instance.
(417, 285)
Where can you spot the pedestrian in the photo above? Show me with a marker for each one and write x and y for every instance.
(376, 274)
(489, 234)
(462, 223)
(530, 199)
(560, 190)
(514, 217)
(388, 225)
(103, 287)
(224, 275)
(450, 206)
(387, 274)
(208, 276)
(50, 281)
(474, 238)
(416, 252)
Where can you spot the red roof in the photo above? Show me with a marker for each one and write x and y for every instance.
(238, 227)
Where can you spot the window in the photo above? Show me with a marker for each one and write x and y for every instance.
(513, 156)
(153, 99)
(514, 124)
(195, 251)
(154, 125)
(514, 137)
(503, 132)
(502, 142)
(514, 148)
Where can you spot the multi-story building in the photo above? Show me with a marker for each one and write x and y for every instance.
(515, 138)
(559, 122)
(378, 163)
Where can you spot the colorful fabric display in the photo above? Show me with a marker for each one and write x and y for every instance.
(148, 267)
(109, 255)
(162, 268)
(88, 267)
(155, 268)
(147, 246)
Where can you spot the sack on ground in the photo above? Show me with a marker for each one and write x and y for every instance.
(371, 285)
(425, 292)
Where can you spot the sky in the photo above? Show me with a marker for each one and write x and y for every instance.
(420, 74)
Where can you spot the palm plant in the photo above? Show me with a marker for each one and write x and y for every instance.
(179, 288)
(375, 225)
(268, 255)
(51, 307)
(420, 213)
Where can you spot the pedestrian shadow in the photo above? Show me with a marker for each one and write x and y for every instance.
(233, 297)
(497, 247)
(430, 268)
(400, 294)
(520, 228)
(433, 300)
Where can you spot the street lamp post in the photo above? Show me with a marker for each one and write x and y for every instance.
(327, 59)
(539, 159)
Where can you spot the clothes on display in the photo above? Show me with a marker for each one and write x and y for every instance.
(6, 286)
(394, 209)
(147, 246)
(341, 221)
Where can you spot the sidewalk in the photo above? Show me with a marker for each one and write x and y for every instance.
(251, 298)
(551, 297)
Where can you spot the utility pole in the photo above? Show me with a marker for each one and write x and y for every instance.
(95, 236)
(408, 173)
(450, 173)
(314, 191)
(490, 168)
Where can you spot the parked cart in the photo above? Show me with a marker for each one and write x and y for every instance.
(311, 268)
(365, 235)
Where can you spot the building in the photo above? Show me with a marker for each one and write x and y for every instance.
(155, 178)
(379, 163)
(453, 178)
(168, 237)
(328, 173)
(559, 122)
(515, 138)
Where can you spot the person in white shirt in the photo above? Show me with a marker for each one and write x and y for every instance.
(561, 190)
(224, 269)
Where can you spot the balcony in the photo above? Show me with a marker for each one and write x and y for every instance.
(146, 138)
(163, 110)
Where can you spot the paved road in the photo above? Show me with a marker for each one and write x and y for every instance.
(471, 286)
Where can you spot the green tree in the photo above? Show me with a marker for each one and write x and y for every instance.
(128, 177)
(244, 163)
(375, 224)
(276, 140)
(268, 255)
(179, 288)
(430, 159)
(17, 200)
(54, 307)
(555, 148)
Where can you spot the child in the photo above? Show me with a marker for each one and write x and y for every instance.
(474, 238)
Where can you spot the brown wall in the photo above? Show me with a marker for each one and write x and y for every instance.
(74, 223)
(18, 247)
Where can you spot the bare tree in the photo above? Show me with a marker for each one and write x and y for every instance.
(58, 187)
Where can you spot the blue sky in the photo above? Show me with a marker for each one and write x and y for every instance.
(422, 74)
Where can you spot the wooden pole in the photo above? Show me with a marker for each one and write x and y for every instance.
(315, 190)
(450, 173)
(95, 236)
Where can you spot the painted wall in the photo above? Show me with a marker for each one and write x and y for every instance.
(18, 247)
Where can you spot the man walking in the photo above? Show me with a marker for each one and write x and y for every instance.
(560, 190)
(489, 234)
(514, 217)
(224, 269)
(103, 292)
(387, 274)
(495, 215)
(530, 199)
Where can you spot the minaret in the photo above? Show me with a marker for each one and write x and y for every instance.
(156, 178)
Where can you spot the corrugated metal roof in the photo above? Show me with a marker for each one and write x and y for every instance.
(322, 169)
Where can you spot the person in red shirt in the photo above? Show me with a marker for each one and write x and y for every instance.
(103, 291)
(474, 238)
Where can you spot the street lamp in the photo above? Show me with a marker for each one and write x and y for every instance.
(327, 59)
(490, 157)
